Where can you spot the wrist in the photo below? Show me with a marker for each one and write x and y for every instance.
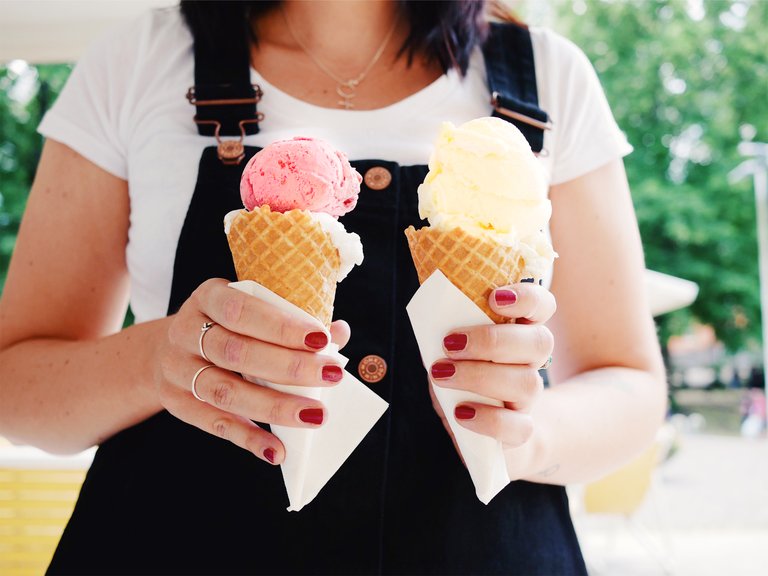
(542, 463)
(154, 338)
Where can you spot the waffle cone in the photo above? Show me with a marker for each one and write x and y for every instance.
(473, 264)
(290, 254)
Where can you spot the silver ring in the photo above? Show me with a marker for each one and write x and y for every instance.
(194, 381)
(547, 364)
(205, 327)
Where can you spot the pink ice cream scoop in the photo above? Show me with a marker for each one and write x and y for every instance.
(302, 173)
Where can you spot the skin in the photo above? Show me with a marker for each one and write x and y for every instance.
(70, 377)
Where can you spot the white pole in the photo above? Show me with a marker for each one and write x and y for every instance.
(757, 166)
(761, 201)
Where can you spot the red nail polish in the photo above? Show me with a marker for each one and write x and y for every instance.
(464, 412)
(316, 340)
(311, 415)
(455, 342)
(505, 297)
(269, 454)
(442, 370)
(332, 373)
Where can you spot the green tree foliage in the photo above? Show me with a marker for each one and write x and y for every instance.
(25, 93)
(687, 81)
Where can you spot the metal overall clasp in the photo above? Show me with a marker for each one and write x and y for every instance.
(546, 124)
(230, 152)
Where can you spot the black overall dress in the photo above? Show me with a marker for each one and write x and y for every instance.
(166, 498)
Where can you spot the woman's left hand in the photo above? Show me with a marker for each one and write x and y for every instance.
(501, 361)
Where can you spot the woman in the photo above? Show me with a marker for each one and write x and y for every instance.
(124, 204)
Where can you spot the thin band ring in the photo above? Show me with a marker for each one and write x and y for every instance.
(547, 364)
(194, 381)
(205, 327)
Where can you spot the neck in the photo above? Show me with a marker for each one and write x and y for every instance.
(339, 53)
(340, 32)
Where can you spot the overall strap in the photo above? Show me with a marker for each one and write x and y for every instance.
(223, 96)
(512, 80)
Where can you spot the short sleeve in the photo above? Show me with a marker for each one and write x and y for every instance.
(88, 116)
(585, 134)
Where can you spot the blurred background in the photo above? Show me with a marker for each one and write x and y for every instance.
(688, 83)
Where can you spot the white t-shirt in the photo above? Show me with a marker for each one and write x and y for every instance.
(124, 109)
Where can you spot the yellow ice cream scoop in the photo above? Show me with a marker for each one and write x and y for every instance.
(484, 176)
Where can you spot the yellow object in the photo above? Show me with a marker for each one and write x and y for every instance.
(35, 505)
(483, 175)
(622, 491)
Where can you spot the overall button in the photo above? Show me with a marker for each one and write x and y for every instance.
(372, 368)
(377, 178)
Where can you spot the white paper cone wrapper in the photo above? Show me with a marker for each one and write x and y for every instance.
(312, 456)
(437, 309)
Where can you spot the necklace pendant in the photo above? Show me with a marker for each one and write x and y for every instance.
(346, 92)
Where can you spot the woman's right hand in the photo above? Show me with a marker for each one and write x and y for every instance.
(250, 337)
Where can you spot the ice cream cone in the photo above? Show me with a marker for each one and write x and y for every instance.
(290, 253)
(474, 264)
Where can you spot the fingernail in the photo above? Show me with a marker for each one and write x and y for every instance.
(505, 297)
(442, 370)
(269, 454)
(311, 415)
(316, 340)
(455, 342)
(464, 412)
(332, 373)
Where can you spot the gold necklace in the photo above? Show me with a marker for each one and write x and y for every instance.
(346, 89)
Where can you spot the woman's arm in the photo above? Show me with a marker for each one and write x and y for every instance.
(69, 379)
(608, 393)
(66, 386)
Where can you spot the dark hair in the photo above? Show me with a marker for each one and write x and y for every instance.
(444, 30)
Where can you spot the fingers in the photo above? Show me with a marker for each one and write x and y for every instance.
(526, 302)
(517, 386)
(511, 427)
(283, 351)
(244, 314)
(340, 333)
(516, 343)
(228, 392)
(236, 429)
(501, 343)
(245, 355)
(228, 405)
